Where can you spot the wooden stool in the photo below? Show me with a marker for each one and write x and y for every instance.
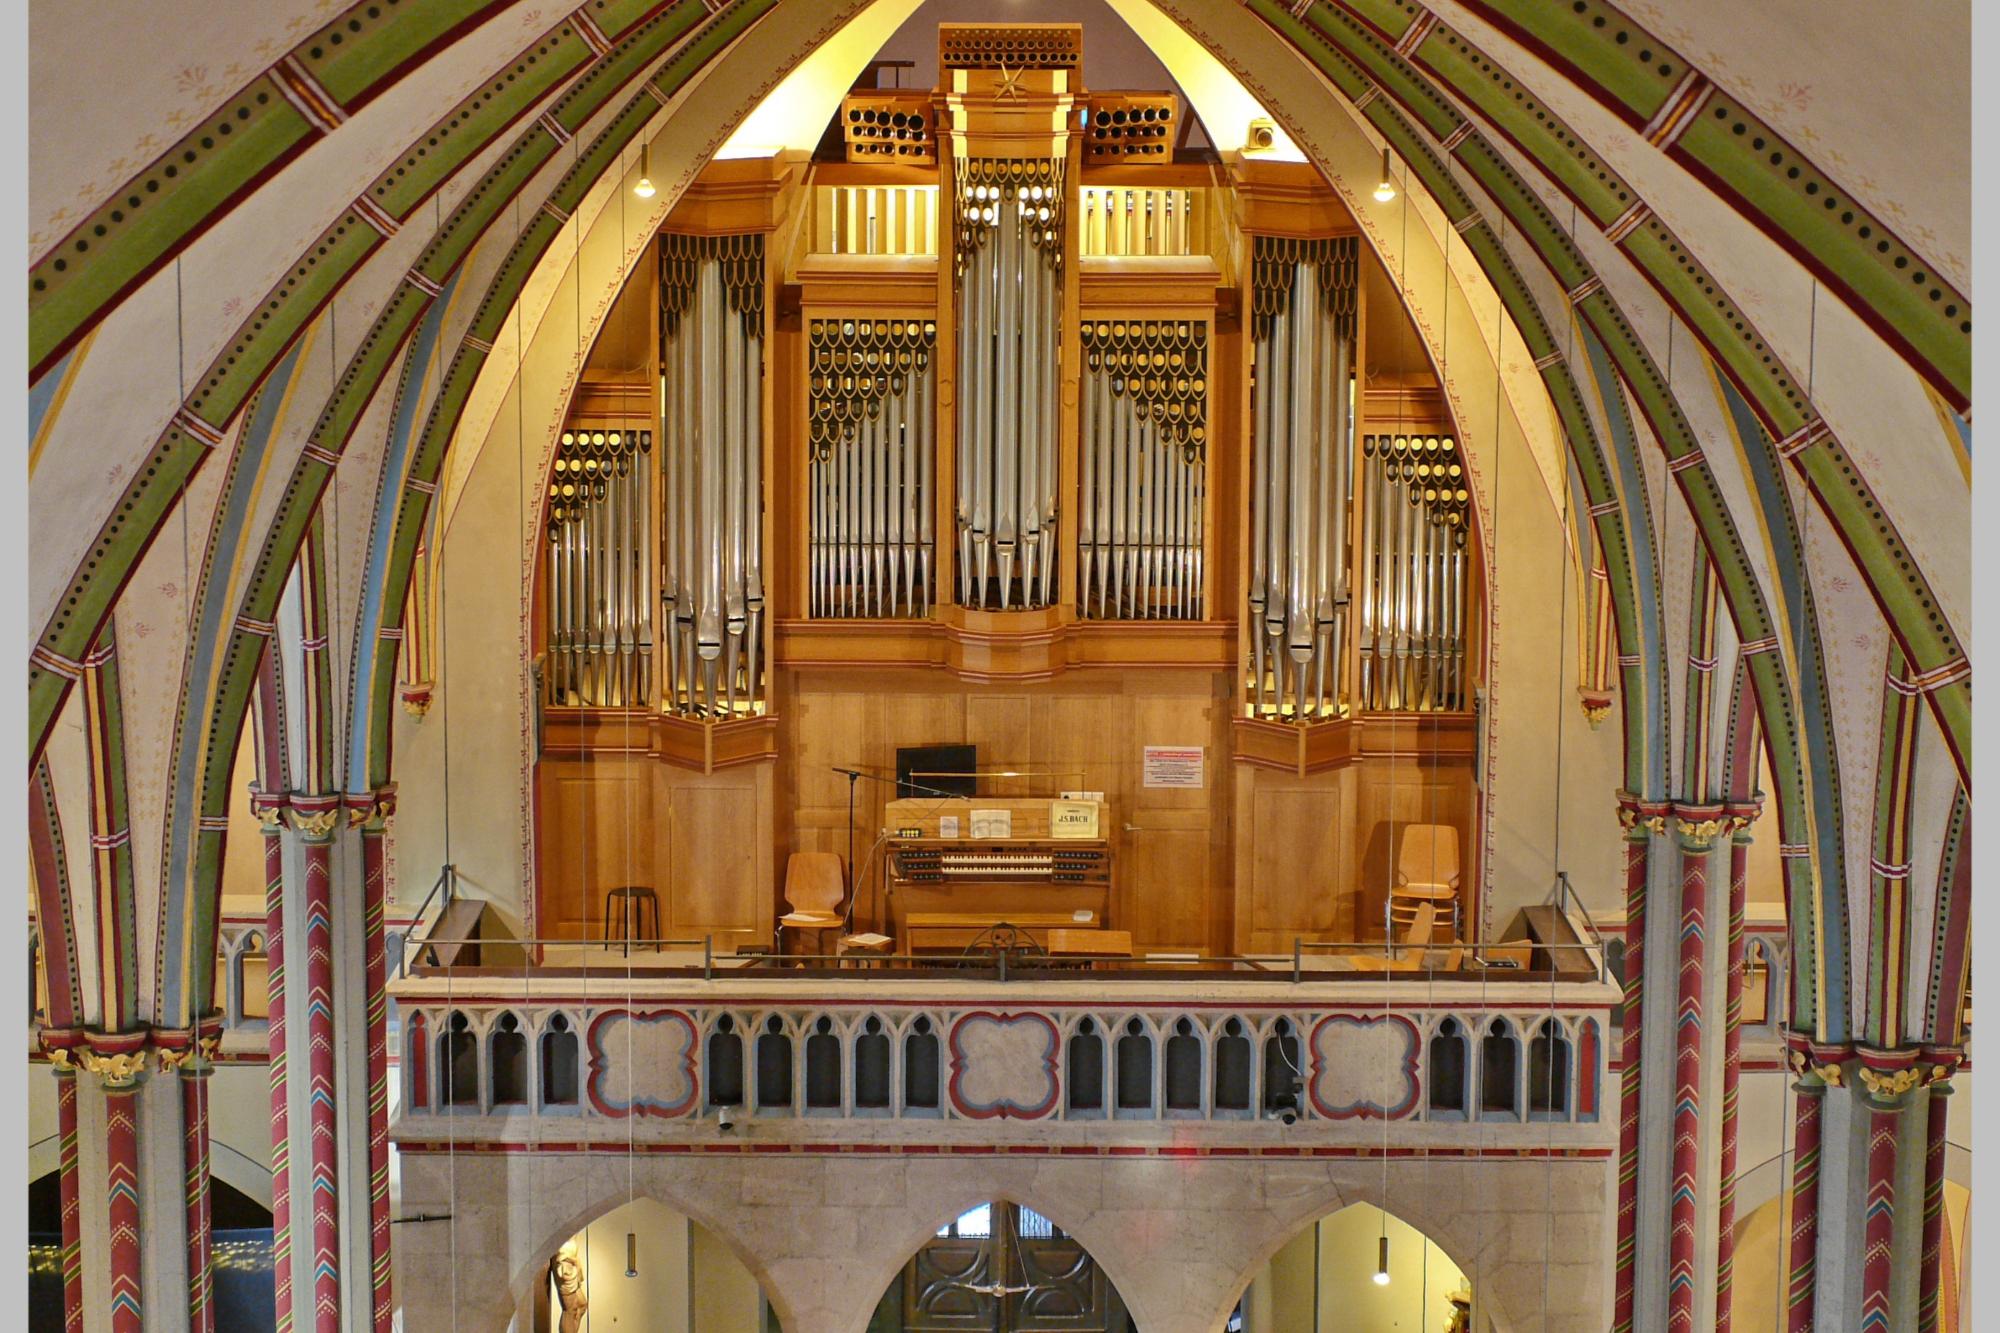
(634, 901)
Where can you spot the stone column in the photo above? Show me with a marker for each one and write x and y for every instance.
(1732, 1057)
(315, 819)
(1639, 829)
(269, 810)
(1695, 832)
(1930, 1282)
(61, 1047)
(1803, 1259)
(118, 1058)
(1887, 1079)
(373, 821)
(192, 1053)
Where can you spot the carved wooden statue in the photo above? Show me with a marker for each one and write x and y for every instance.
(567, 1273)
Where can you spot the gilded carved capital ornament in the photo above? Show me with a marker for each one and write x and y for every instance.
(195, 1058)
(120, 1069)
(1700, 834)
(1803, 1066)
(317, 824)
(1891, 1085)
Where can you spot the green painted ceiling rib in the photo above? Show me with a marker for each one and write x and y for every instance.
(1794, 201)
(299, 100)
(1893, 576)
(335, 257)
(685, 56)
(1349, 55)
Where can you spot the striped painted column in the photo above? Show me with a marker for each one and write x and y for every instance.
(1695, 838)
(1879, 1215)
(1732, 1060)
(61, 1047)
(1803, 1260)
(316, 822)
(191, 1053)
(281, 1150)
(374, 905)
(1930, 1281)
(1638, 838)
(117, 1059)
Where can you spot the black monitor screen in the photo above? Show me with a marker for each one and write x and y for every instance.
(934, 770)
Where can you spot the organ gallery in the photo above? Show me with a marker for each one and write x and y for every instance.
(1126, 666)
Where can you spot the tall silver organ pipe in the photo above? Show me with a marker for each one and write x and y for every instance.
(1143, 469)
(712, 459)
(1009, 273)
(1415, 506)
(1301, 484)
(870, 409)
(600, 594)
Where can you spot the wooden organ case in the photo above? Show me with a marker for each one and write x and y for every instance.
(1017, 426)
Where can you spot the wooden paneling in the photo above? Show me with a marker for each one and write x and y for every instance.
(1080, 732)
(1294, 877)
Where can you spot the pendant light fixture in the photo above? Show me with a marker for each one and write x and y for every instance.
(1382, 1255)
(1385, 189)
(644, 189)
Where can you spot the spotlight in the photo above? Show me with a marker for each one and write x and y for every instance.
(1382, 1263)
(725, 1119)
(644, 189)
(1284, 1103)
(1263, 135)
(1385, 189)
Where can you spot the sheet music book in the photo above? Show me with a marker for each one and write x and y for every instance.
(992, 823)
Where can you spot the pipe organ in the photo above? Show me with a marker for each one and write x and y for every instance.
(600, 570)
(1144, 469)
(869, 428)
(1003, 418)
(1009, 277)
(1301, 476)
(1413, 619)
(712, 432)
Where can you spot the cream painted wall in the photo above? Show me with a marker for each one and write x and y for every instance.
(1552, 777)
(688, 1281)
(1281, 1298)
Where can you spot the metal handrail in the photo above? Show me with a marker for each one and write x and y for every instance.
(1565, 895)
(447, 883)
(1256, 967)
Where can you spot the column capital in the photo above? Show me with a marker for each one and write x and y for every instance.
(314, 818)
(269, 809)
(1817, 1065)
(117, 1058)
(371, 811)
(189, 1051)
(1696, 827)
(1887, 1077)
(1642, 817)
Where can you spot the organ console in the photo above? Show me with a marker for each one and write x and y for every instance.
(944, 891)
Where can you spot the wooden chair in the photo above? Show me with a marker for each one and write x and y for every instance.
(815, 888)
(1415, 950)
(1426, 872)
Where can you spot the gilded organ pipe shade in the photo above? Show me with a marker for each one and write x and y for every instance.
(1144, 445)
(1009, 274)
(1301, 483)
(1141, 220)
(600, 597)
(712, 459)
(1415, 522)
(871, 518)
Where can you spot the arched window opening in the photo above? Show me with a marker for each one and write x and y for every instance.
(1446, 1083)
(458, 1062)
(419, 1046)
(1284, 1072)
(1548, 1073)
(1500, 1073)
(1232, 1068)
(1184, 1069)
(1001, 1265)
(920, 1066)
(871, 1066)
(1135, 1071)
(507, 1057)
(823, 1067)
(725, 1064)
(559, 1062)
(774, 1067)
(253, 979)
(1085, 1060)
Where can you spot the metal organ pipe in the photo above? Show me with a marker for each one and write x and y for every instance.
(1412, 632)
(600, 630)
(1301, 474)
(1009, 270)
(1143, 469)
(870, 384)
(712, 366)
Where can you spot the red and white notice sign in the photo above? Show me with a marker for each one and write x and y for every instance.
(1173, 765)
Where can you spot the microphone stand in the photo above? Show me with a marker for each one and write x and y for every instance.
(854, 776)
